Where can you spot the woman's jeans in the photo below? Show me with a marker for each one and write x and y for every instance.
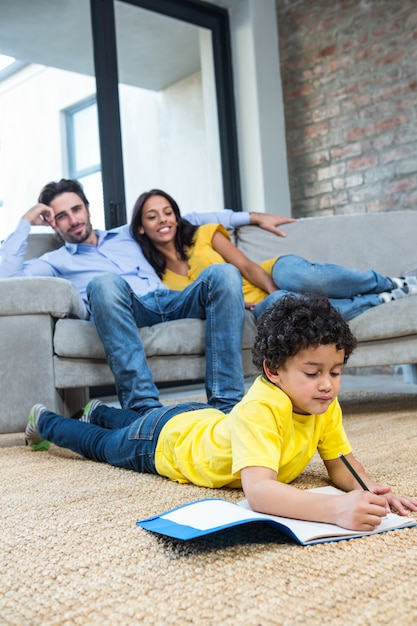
(215, 296)
(350, 291)
(120, 437)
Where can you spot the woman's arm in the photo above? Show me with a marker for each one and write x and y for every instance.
(253, 272)
(356, 510)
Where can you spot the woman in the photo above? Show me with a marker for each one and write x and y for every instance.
(179, 251)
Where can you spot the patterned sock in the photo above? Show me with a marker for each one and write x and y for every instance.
(397, 294)
(404, 281)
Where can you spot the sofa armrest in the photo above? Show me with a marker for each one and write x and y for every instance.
(29, 295)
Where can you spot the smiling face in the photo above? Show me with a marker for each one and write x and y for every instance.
(311, 378)
(159, 221)
(72, 219)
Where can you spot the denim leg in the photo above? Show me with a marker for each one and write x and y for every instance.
(131, 446)
(216, 296)
(347, 307)
(268, 301)
(221, 287)
(293, 273)
(89, 440)
(352, 307)
(110, 417)
(113, 306)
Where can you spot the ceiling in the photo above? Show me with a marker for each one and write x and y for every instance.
(154, 51)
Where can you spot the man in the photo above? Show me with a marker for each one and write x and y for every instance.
(123, 292)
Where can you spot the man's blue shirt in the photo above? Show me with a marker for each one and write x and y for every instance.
(116, 252)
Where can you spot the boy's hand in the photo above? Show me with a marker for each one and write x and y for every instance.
(399, 504)
(359, 510)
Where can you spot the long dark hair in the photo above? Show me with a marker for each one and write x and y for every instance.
(183, 238)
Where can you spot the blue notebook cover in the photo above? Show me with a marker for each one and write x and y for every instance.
(211, 515)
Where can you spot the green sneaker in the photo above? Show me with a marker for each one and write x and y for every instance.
(88, 409)
(32, 436)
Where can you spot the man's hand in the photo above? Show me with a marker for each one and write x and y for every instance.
(270, 222)
(40, 215)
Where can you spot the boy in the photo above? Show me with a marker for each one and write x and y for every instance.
(266, 441)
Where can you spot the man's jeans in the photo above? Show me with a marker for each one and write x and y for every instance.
(350, 291)
(120, 437)
(215, 296)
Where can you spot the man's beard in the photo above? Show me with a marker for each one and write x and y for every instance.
(79, 237)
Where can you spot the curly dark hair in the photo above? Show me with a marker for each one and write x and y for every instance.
(184, 237)
(297, 322)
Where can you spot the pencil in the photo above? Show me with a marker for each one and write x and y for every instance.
(352, 471)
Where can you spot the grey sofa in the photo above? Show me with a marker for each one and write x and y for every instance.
(50, 352)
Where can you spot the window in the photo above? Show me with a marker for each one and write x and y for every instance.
(83, 154)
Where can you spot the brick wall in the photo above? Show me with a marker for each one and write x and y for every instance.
(349, 74)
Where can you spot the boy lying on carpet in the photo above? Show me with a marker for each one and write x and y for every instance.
(264, 443)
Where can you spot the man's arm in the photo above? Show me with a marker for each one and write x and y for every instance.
(13, 249)
(234, 219)
(271, 222)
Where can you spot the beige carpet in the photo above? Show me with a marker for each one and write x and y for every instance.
(71, 553)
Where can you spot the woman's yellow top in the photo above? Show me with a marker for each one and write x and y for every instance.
(202, 255)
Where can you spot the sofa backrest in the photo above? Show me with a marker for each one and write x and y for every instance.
(382, 241)
(386, 242)
(39, 243)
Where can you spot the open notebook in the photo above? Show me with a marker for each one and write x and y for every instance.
(213, 514)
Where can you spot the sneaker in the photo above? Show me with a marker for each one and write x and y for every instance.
(32, 436)
(88, 409)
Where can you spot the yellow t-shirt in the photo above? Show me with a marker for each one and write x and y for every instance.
(209, 448)
(202, 255)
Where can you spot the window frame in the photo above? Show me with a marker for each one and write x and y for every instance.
(69, 113)
(195, 12)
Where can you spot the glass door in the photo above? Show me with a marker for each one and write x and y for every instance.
(168, 108)
(165, 103)
(123, 95)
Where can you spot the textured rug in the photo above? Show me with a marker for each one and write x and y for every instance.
(71, 553)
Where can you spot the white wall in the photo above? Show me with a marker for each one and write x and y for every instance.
(259, 106)
(166, 145)
(164, 136)
(31, 147)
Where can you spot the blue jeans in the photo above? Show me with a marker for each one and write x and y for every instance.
(350, 291)
(120, 437)
(215, 296)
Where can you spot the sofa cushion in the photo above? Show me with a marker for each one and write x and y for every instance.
(394, 319)
(79, 339)
(32, 295)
